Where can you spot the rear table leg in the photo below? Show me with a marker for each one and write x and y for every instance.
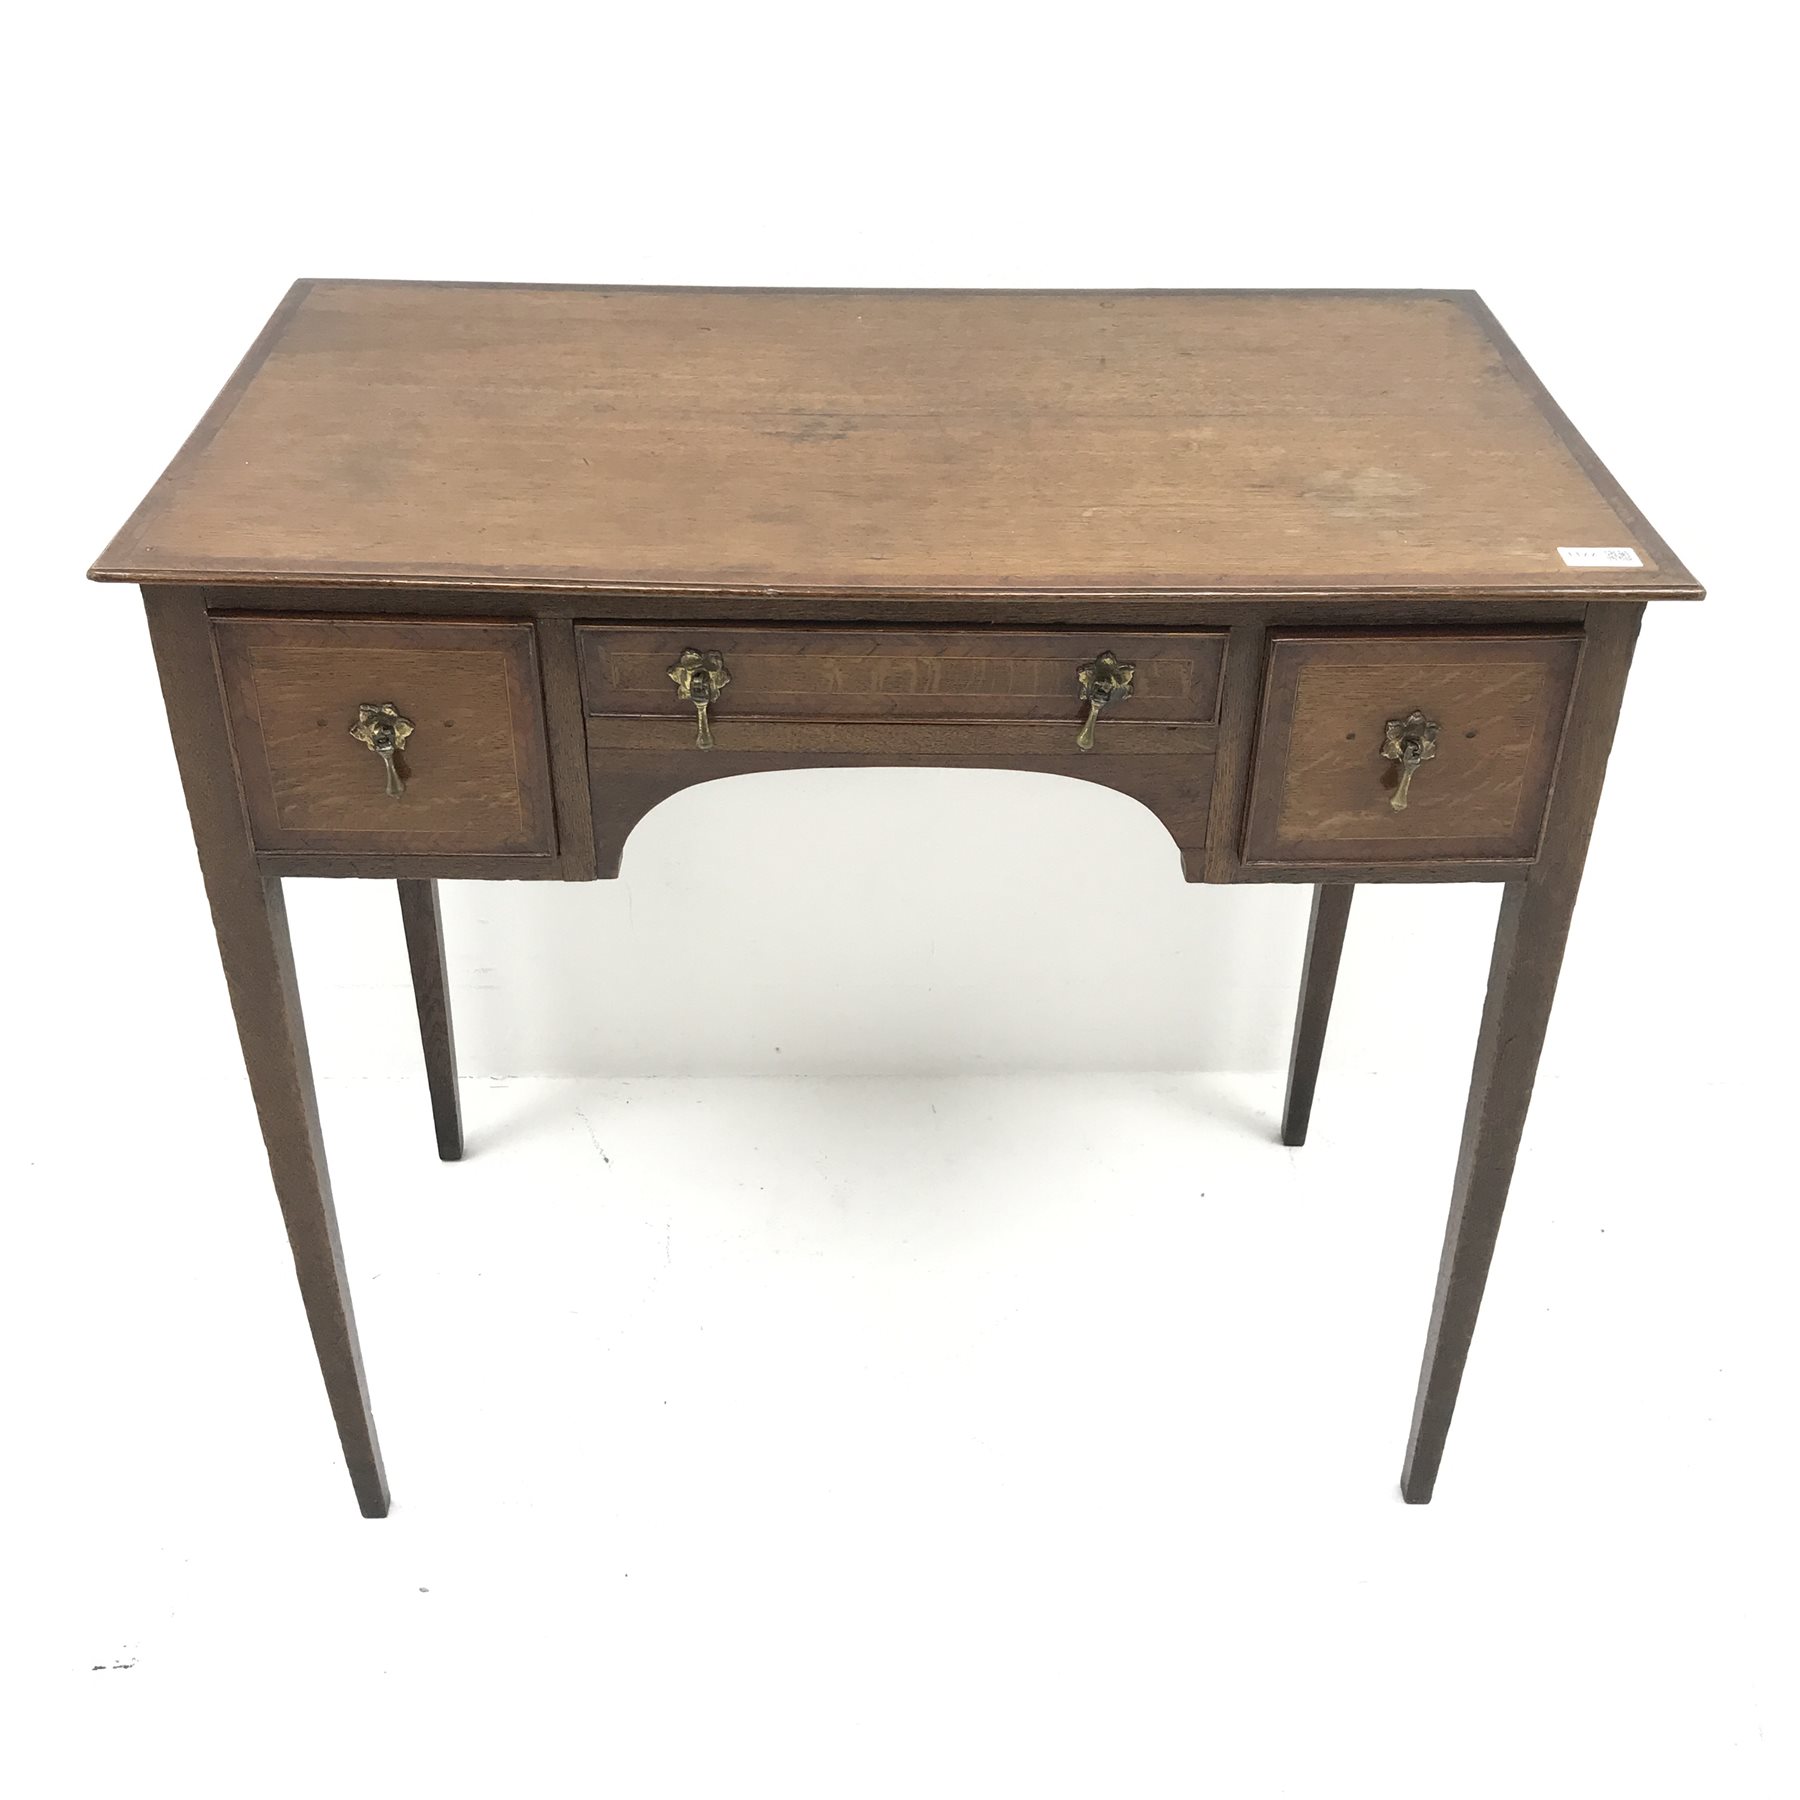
(431, 988)
(1318, 979)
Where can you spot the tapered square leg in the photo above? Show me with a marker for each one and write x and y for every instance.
(424, 926)
(250, 918)
(1528, 948)
(1535, 911)
(1318, 980)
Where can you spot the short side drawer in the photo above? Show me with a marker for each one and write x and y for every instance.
(473, 771)
(1322, 790)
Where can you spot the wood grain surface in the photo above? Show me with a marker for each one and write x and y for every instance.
(934, 676)
(1114, 738)
(476, 778)
(1321, 790)
(627, 784)
(738, 442)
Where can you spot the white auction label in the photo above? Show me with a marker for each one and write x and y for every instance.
(1578, 558)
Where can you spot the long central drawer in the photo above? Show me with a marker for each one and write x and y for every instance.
(751, 677)
(1137, 711)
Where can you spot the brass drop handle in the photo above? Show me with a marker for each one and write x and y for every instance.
(384, 731)
(1409, 742)
(698, 679)
(1104, 682)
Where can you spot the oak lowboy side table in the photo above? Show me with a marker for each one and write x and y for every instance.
(461, 581)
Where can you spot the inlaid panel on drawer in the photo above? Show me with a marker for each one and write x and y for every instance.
(472, 771)
(935, 677)
(1491, 707)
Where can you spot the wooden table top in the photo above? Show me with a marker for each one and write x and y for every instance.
(943, 444)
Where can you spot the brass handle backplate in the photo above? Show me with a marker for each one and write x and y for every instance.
(1409, 742)
(384, 731)
(698, 678)
(1103, 682)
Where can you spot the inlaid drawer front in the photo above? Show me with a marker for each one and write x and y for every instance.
(1379, 749)
(388, 736)
(729, 685)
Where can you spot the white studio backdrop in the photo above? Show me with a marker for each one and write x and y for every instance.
(832, 921)
(742, 1446)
